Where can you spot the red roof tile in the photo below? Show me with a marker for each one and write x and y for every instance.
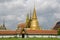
(22, 25)
(11, 32)
(7, 32)
(42, 32)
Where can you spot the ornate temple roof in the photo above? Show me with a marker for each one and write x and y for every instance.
(57, 26)
(21, 25)
(7, 32)
(42, 32)
(58, 23)
(45, 32)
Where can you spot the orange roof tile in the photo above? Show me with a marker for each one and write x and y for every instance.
(11, 32)
(7, 32)
(42, 32)
(22, 25)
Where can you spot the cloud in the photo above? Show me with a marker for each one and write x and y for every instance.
(10, 17)
(48, 11)
(57, 15)
(2, 1)
(42, 20)
(12, 4)
(21, 18)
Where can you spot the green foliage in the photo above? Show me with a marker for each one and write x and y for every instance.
(59, 31)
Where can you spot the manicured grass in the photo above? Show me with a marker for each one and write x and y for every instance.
(29, 38)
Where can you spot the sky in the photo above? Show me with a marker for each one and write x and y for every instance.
(15, 11)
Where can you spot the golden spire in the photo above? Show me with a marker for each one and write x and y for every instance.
(34, 22)
(30, 15)
(34, 14)
(27, 18)
(27, 21)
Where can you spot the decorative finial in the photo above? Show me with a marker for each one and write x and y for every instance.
(4, 23)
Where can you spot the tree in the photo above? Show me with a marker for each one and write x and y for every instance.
(59, 31)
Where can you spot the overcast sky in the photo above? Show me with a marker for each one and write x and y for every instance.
(14, 11)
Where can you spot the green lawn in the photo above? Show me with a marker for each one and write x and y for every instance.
(29, 38)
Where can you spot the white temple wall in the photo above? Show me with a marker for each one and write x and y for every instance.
(30, 36)
(7, 36)
(45, 36)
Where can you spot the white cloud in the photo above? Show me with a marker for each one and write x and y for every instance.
(10, 17)
(13, 4)
(42, 19)
(19, 18)
(57, 15)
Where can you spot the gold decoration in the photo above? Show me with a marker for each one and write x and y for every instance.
(34, 22)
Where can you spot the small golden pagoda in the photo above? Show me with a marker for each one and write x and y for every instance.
(34, 22)
(3, 27)
(27, 21)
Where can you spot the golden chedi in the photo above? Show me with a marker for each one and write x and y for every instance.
(27, 21)
(34, 22)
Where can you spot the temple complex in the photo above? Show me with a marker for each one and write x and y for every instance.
(30, 28)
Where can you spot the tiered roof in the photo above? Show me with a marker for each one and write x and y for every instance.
(41, 32)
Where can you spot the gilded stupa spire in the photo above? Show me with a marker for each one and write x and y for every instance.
(34, 21)
(27, 18)
(27, 21)
(34, 14)
(30, 15)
